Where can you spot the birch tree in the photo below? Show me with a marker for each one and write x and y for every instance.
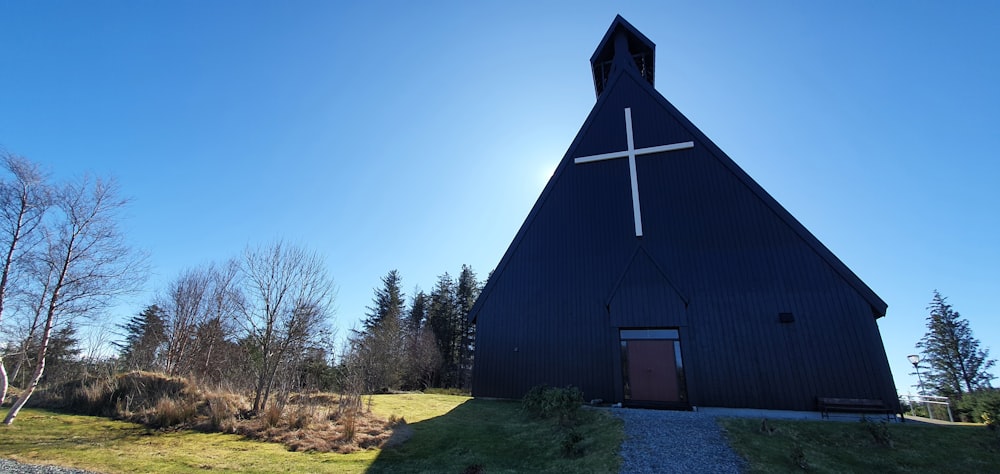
(24, 198)
(85, 261)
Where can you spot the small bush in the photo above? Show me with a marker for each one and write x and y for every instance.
(571, 447)
(304, 417)
(350, 423)
(766, 427)
(271, 416)
(563, 404)
(980, 406)
(799, 458)
(221, 414)
(396, 421)
(170, 412)
(879, 431)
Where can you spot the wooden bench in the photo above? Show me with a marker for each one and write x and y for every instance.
(852, 405)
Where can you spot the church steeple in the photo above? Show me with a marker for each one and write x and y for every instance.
(622, 46)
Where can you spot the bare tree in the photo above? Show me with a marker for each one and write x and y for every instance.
(287, 307)
(185, 307)
(224, 300)
(87, 260)
(200, 305)
(23, 201)
(32, 302)
(424, 358)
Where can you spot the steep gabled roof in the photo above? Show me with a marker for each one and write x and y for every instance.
(878, 306)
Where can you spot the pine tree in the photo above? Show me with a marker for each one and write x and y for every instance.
(441, 318)
(417, 360)
(957, 364)
(389, 301)
(465, 296)
(382, 342)
(145, 334)
(418, 312)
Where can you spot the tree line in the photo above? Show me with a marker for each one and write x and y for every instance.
(426, 343)
(259, 323)
(251, 324)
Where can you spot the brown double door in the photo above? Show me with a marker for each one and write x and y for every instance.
(652, 366)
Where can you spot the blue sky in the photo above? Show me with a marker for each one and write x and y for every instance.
(417, 135)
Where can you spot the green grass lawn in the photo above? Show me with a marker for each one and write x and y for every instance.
(450, 433)
(823, 446)
(455, 433)
(496, 437)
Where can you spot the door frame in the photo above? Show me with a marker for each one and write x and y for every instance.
(672, 334)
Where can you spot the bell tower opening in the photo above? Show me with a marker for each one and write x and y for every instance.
(622, 46)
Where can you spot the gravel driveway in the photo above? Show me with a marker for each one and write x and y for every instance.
(9, 466)
(674, 441)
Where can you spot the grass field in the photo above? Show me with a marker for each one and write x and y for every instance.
(457, 434)
(818, 446)
(449, 433)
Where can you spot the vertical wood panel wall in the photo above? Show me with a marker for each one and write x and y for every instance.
(719, 259)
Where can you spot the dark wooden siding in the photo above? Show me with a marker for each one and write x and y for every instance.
(719, 259)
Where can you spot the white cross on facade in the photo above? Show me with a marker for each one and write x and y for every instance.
(631, 153)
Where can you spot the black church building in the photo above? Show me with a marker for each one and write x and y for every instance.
(652, 270)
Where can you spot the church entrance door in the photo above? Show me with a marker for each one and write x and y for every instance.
(652, 368)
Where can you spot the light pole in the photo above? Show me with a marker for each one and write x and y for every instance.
(915, 360)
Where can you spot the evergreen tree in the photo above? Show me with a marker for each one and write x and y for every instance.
(957, 364)
(465, 296)
(441, 318)
(418, 312)
(389, 302)
(62, 363)
(381, 345)
(145, 334)
(419, 360)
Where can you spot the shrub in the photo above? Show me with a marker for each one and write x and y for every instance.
(170, 412)
(799, 457)
(571, 447)
(563, 404)
(271, 416)
(350, 423)
(221, 414)
(879, 431)
(88, 395)
(534, 399)
(303, 417)
(980, 406)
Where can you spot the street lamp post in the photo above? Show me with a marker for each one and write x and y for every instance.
(915, 360)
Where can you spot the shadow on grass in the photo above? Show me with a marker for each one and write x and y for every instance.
(820, 446)
(496, 436)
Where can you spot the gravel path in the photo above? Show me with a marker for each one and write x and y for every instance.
(14, 467)
(674, 441)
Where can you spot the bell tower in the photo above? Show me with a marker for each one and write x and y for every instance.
(622, 46)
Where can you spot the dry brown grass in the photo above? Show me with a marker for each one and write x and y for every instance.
(317, 428)
(318, 422)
